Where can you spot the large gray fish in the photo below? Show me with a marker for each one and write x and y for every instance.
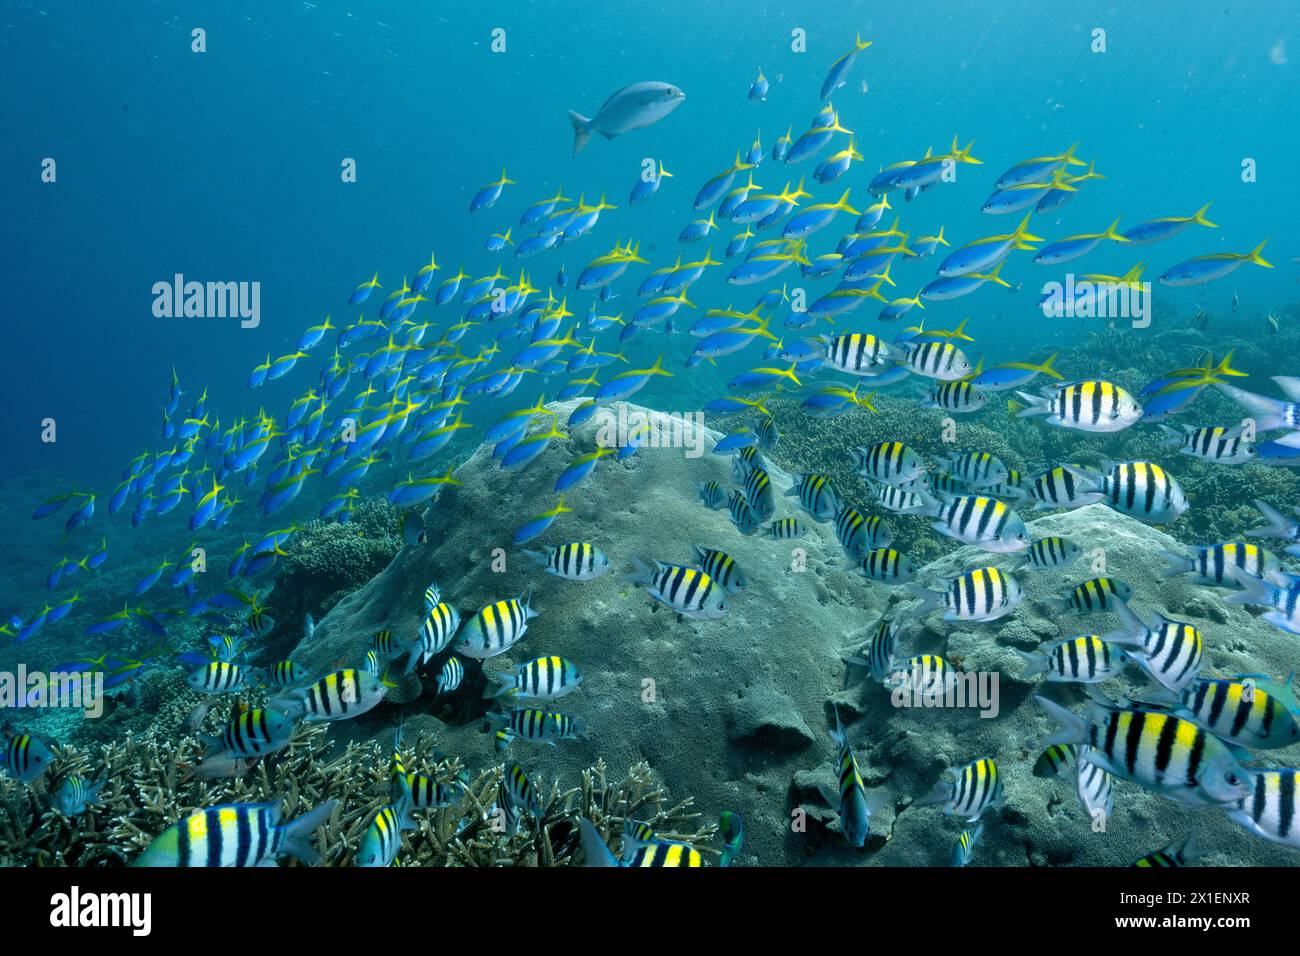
(632, 107)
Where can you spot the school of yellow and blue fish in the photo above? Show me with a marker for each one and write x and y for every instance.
(390, 389)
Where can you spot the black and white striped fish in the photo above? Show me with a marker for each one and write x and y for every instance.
(1239, 712)
(858, 534)
(923, 674)
(575, 561)
(758, 492)
(1051, 552)
(337, 696)
(521, 791)
(1272, 808)
(1085, 660)
(495, 628)
(1169, 651)
(536, 726)
(1013, 487)
(963, 851)
(218, 677)
(783, 528)
(1160, 751)
(284, 674)
(858, 353)
(436, 631)
(688, 591)
(236, 834)
(902, 501)
(815, 495)
(984, 594)
(744, 460)
(25, 757)
(967, 791)
(887, 565)
(452, 673)
(941, 483)
(1144, 491)
(938, 360)
(253, 733)
(1054, 759)
(890, 462)
(959, 397)
(985, 522)
(429, 794)
(1094, 787)
(712, 494)
(978, 469)
(1095, 594)
(1175, 854)
(742, 514)
(545, 678)
(722, 568)
(1064, 486)
(1213, 564)
(878, 653)
(1091, 406)
(1223, 446)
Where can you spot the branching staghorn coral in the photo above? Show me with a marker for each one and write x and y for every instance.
(151, 782)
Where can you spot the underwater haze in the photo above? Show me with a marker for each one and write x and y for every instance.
(756, 434)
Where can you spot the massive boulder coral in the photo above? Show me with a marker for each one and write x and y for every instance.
(692, 698)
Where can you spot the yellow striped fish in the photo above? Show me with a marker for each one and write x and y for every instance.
(495, 629)
(236, 834)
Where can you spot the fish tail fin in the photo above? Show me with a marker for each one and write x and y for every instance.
(1254, 590)
(1198, 217)
(1175, 564)
(1034, 405)
(941, 792)
(641, 572)
(1034, 664)
(581, 130)
(1190, 852)
(593, 847)
(1111, 234)
(1255, 257)
(501, 686)
(1048, 369)
(1072, 729)
(298, 834)
(1279, 526)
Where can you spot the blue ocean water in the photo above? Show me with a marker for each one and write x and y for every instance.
(225, 165)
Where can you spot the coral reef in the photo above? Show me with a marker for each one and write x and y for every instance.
(152, 780)
(328, 560)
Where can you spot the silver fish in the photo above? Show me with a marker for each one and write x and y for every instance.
(632, 107)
